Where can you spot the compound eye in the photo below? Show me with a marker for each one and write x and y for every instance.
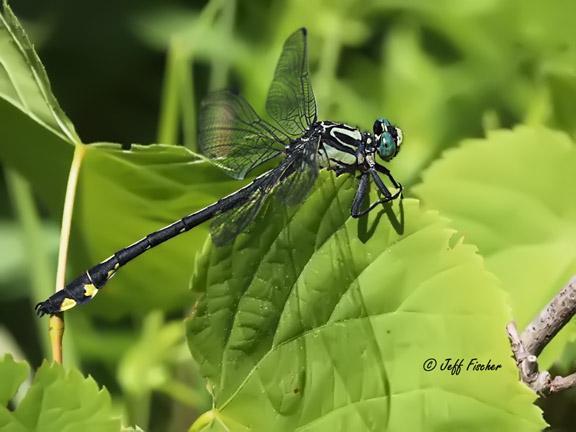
(381, 125)
(387, 147)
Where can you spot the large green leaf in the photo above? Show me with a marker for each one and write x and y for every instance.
(23, 80)
(323, 322)
(512, 194)
(36, 135)
(56, 401)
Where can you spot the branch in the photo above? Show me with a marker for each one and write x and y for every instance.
(551, 320)
(537, 335)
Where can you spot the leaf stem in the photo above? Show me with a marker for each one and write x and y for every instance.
(169, 108)
(56, 325)
(327, 68)
(138, 407)
(204, 420)
(187, 102)
(221, 66)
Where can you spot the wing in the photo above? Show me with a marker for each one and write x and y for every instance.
(225, 227)
(234, 137)
(290, 181)
(296, 183)
(290, 99)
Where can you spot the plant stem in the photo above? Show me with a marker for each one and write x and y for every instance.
(538, 334)
(551, 320)
(221, 66)
(169, 108)
(204, 421)
(138, 407)
(187, 102)
(327, 68)
(56, 325)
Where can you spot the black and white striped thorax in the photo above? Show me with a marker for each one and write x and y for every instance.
(340, 144)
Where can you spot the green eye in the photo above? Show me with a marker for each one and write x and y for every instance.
(387, 146)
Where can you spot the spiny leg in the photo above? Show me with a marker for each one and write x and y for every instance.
(380, 185)
(360, 196)
(361, 192)
(388, 174)
(382, 189)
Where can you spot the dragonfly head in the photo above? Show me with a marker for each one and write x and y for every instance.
(388, 139)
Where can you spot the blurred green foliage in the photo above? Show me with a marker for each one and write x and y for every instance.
(135, 71)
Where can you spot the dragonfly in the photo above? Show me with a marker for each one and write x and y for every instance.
(235, 138)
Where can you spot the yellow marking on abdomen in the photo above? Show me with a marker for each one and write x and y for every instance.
(66, 304)
(90, 290)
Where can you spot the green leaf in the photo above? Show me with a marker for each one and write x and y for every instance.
(12, 375)
(36, 135)
(512, 195)
(23, 80)
(56, 401)
(318, 320)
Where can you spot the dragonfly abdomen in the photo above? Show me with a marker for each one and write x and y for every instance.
(86, 286)
(79, 291)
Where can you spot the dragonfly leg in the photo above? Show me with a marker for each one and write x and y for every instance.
(361, 193)
(363, 190)
(383, 170)
(380, 185)
(359, 197)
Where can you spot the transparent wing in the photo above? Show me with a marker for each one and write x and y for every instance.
(234, 136)
(290, 99)
(297, 183)
(291, 181)
(226, 226)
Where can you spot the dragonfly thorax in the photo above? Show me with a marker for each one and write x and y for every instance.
(339, 143)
